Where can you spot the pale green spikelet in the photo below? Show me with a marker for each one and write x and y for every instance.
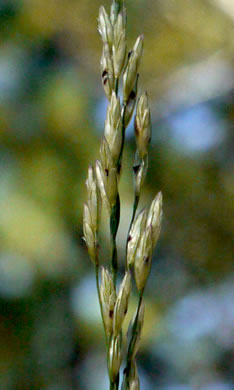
(108, 299)
(115, 357)
(155, 218)
(134, 236)
(108, 184)
(105, 27)
(107, 69)
(91, 214)
(121, 305)
(113, 127)
(143, 125)
(131, 71)
(119, 47)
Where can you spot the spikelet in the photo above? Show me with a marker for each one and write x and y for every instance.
(147, 242)
(108, 298)
(143, 125)
(121, 305)
(113, 128)
(114, 357)
(91, 215)
(130, 74)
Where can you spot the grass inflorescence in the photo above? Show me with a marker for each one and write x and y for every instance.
(121, 67)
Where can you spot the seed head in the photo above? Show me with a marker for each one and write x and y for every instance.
(143, 125)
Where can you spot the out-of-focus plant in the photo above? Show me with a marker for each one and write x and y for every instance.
(103, 189)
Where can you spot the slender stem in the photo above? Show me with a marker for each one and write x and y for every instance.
(114, 221)
(116, 86)
(114, 259)
(123, 139)
(136, 201)
(133, 338)
(114, 224)
(115, 214)
(113, 386)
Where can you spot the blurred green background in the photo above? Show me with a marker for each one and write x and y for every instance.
(52, 109)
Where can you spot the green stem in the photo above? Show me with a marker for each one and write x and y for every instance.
(136, 202)
(123, 139)
(115, 213)
(113, 386)
(114, 224)
(133, 339)
(116, 86)
(114, 260)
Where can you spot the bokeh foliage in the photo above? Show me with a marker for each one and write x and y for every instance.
(52, 109)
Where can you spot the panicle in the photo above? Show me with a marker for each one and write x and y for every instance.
(102, 187)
